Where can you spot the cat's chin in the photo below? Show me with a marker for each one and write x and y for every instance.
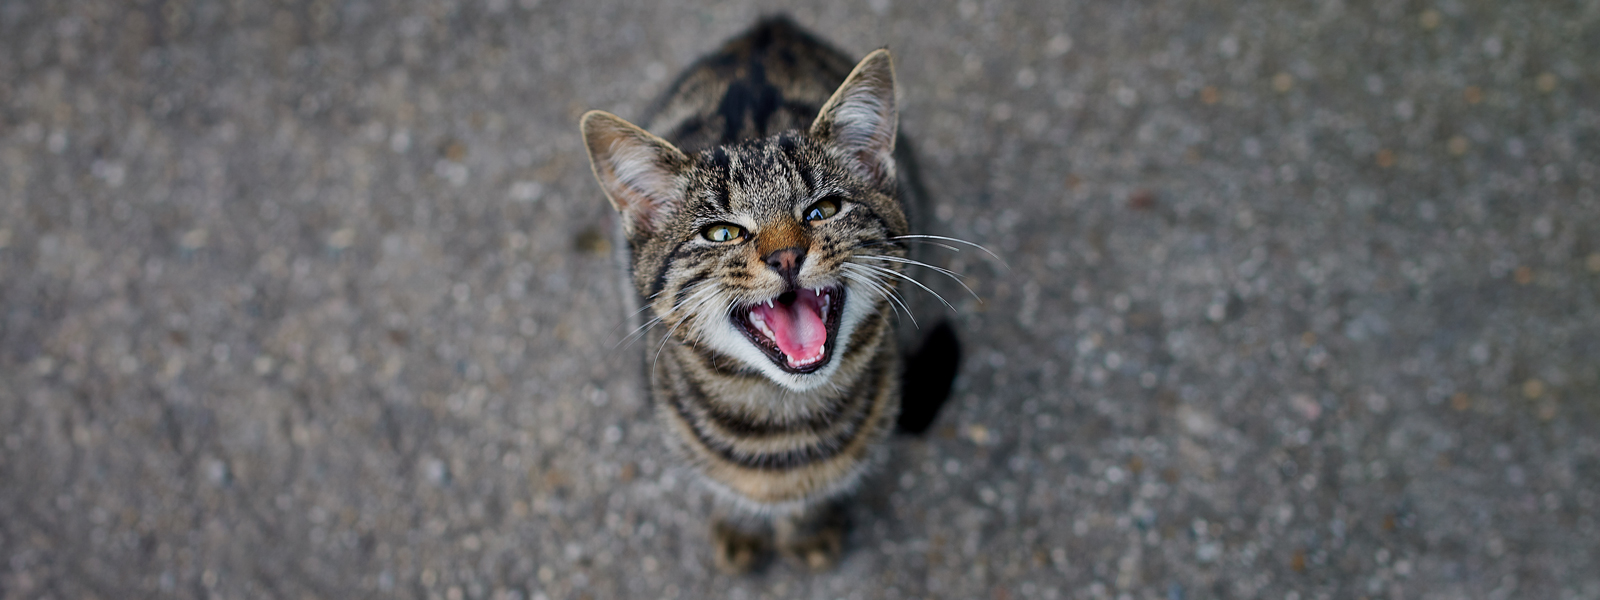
(787, 328)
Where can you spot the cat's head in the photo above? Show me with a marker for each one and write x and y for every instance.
(760, 251)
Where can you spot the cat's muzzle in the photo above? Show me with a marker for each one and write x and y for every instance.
(797, 329)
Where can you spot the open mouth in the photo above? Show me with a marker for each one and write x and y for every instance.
(796, 329)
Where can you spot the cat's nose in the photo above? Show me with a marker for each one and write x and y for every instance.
(787, 263)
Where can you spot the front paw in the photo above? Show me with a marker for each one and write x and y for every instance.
(815, 541)
(819, 551)
(737, 551)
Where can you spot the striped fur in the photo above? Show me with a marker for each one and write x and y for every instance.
(772, 123)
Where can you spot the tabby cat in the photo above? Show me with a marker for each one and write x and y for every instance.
(761, 225)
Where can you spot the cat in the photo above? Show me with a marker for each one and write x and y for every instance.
(766, 235)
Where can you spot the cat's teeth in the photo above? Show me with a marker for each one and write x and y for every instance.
(761, 325)
(809, 359)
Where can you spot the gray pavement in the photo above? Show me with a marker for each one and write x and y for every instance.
(314, 300)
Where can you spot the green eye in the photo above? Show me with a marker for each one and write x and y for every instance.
(823, 209)
(723, 232)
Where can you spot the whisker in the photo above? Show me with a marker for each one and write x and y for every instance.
(638, 332)
(899, 241)
(913, 281)
(883, 291)
(690, 311)
(942, 271)
(642, 329)
(956, 240)
(883, 288)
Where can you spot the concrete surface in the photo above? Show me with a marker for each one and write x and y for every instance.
(313, 300)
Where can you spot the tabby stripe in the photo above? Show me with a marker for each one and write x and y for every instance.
(719, 160)
(867, 330)
(873, 215)
(746, 426)
(721, 364)
(821, 450)
(678, 251)
(738, 426)
(791, 150)
(679, 297)
(660, 281)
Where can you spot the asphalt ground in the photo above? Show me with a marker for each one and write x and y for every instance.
(316, 300)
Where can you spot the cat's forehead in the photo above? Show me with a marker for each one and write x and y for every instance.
(763, 175)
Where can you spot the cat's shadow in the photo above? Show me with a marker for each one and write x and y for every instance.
(929, 373)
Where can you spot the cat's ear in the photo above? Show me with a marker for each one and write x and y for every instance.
(638, 171)
(860, 119)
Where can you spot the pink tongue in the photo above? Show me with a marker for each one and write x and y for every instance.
(797, 328)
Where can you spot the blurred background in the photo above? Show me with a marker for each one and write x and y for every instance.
(315, 300)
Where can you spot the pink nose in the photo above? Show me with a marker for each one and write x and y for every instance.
(787, 263)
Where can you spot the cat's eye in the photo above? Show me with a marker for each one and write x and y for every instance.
(723, 232)
(823, 209)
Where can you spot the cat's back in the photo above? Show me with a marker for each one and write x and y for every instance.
(772, 78)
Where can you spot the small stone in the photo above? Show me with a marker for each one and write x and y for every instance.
(1306, 406)
(526, 191)
(979, 434)
(1142, 200)
(1027, 78)
(1532, 389)
(1593, 262)
(1458, 145)
(1116, 474)
(1546, 82)
(342, 239)
(1460, 401)
(1377, 403)
(1125, 95)
(1493, 47)
(1229, 46)
(1523, 275)
(194, 239)
(1210, 95)
(1217, 312)
(1282, 82)
(1385, 158)
(453, 150)
(1473, 94)
(1429, 19)
(1058, 45)
(1196, 422)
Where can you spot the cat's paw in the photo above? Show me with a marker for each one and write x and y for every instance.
(818, 551)
(737, 551)
(816, 541)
